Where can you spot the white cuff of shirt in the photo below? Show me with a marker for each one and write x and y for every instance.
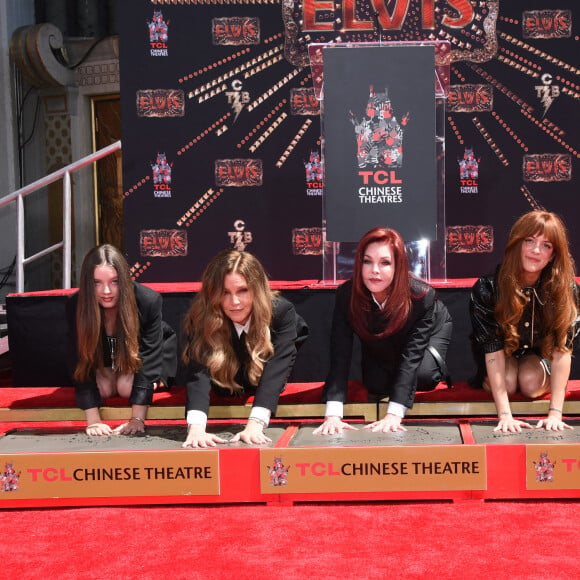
(334, 409)
(261, 413)
(396, 409)
(195, 417)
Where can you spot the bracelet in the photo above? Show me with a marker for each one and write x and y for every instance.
(554, 409)
(258, 420)
(505, 413)
(93, 425)
(137, 419)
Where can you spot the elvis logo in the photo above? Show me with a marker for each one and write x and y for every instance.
(236, 31)
(307, 241)
(303, 101)
(470, 239)
(278, 472)
(161, 176)
(238, 172)
(469, 172)
(240, 238)
(163, 243)
(160, 103)
(544, 468)
(158, 34)
(547, 167)
(10, 478)
(547, 24)
(470, 98)
(469, 24)
(314, 174)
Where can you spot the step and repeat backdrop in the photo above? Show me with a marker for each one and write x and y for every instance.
(222, 141)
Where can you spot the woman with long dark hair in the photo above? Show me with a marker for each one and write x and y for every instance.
(525, 319)
(118, 342)
(241, 338)
(403, 328)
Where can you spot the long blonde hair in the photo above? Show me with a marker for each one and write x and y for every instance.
(208, 330)
(90, 319)
(556, 286)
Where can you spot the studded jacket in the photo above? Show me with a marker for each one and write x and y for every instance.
(487, 336)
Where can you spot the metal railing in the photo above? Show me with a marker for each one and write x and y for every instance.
(19, 195)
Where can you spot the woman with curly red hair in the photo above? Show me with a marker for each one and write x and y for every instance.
(525, 319)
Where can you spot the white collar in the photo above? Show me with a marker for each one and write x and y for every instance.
(381, 305)
(239, 328)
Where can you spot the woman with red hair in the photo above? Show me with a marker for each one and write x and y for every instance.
(525, 319)
(404, 332)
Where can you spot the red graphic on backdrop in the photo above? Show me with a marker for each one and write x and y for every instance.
(163, 243)
(379, 136)
(469, 172)
(547, 24)
(160, 103)
(547, 167)
(158, 28)
(314, 174)
(470, 239)
(158, 34)
(303, 101)
(470, 98)
(307, 241)
(235, 31)
(238, 172)
(354, 21)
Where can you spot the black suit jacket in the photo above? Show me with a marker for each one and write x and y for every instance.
(288, 331)
(389, 365)
(149, 304)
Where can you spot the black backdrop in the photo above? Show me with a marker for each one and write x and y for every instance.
(224, 90)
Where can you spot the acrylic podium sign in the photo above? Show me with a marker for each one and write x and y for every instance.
(383, 142)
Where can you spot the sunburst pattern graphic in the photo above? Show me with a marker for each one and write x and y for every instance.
(241, 102)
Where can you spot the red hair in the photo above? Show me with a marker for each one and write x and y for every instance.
(398, 304)
(556, 287)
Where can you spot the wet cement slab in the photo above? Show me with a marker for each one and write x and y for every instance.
(156, 437)
(425, 434)
(483, 433)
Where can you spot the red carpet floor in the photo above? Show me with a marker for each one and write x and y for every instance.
(513, 540)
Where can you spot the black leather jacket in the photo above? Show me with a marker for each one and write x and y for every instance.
(487, 336)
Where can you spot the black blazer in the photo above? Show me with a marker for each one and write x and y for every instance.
(149, 304)
(288, 331)
(389, 365)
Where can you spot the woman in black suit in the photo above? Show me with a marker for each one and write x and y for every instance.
(242, 338)
(404, 331)
(118, 343)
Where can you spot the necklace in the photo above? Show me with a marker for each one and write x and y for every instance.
(112, 342)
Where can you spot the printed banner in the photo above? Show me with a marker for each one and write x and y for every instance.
(221, 127)
(116, 474)
(364, 469)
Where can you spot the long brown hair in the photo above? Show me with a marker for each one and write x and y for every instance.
(556, 284)
(398, 305)
(90, 318)
(207, 329)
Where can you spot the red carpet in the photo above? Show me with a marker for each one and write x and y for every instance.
(35, 397)
(515, 540)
